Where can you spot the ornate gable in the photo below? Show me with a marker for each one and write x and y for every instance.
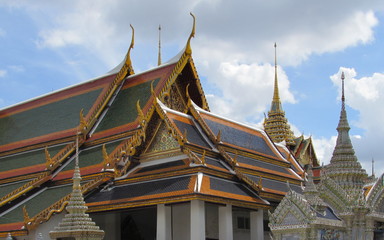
(292, 210)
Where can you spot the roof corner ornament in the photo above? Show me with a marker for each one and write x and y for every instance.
(203, 158)
(83, 123)
(185, 133)
(108, 164)
(48, 159)
(27, 219)
(188, 49)
(218, 136)
(260, 183)
(140, 113)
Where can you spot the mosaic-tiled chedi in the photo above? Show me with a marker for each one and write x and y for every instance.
(342, 206)
(344, 167)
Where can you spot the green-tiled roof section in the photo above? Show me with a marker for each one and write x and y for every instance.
(27, 159)
(53, 117)
(36, 204)
(92, 156)
(123, 109)
(9, 187)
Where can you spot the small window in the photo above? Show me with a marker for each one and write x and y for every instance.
(243, 223)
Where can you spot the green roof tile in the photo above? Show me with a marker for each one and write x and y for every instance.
(37, 204)
(62, 115)
(123, 110)
(92, 156)
(7, 188)
(27, 159)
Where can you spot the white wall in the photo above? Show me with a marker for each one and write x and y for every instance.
(181, 222)
(212, 221)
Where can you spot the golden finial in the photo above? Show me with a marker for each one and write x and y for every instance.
(188, 49)
(159, 55)
(128, 60)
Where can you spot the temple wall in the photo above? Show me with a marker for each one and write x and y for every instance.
(181, 221)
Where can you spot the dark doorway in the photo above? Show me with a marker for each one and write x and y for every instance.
(139, 224)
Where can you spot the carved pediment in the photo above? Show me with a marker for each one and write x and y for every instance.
(161, 143)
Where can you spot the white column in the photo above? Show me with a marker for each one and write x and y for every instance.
(163, 229)
(197, 220)
(257, 225)
(225, 222)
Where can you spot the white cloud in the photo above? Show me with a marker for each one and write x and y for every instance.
(233, 45)
(222, 33)
(247, 90)
(58, 38)
(3, 73)
(324, 148)
(16, 68)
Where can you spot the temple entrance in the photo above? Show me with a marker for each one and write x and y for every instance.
(139, 224)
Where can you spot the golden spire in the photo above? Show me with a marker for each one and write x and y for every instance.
(159, 55)
(276, 104)
(276, 125)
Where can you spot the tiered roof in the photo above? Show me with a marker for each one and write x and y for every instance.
(145, 139)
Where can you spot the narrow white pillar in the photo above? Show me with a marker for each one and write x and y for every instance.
(257, 225)
(197, 220)
(225, 222)
(163, 228)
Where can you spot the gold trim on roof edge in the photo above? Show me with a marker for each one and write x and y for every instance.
(32, 223)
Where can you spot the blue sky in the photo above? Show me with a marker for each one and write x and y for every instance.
(49, 45)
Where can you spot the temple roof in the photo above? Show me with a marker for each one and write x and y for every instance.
(145, 138)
